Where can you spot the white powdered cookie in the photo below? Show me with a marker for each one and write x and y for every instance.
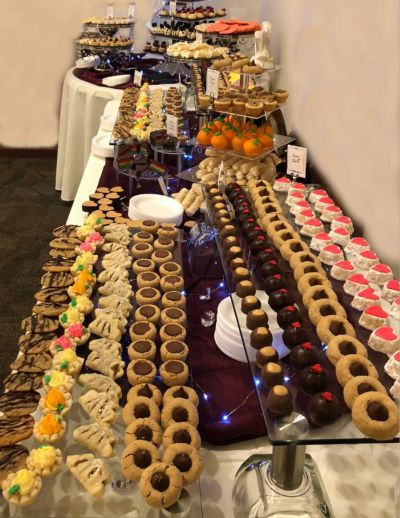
(106, 328)
(113, 247)
(101, 383)
(116, 302)
(116, 263)
(105, 346)
(97, 437)
(107, 364)
(90, 472)
(113, 314)
(115, 227)
(99, 406)
(119, 288)
(118, 237)
(119, 255)
(113, 275)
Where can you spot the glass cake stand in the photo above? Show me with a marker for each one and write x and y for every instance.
(287, 483)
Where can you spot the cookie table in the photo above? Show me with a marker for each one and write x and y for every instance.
(352, 473)
(82, 104)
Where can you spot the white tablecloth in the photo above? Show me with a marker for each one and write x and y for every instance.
(82, 105)
(359, 479)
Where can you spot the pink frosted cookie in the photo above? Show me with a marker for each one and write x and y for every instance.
(282, 184)
(95, 238)
(384, 340)
(355, 283)
(299, 187)
(395, 390)
(365, 298)
(294, 197)
(323, 203)
(391, 290)
(299, 206)
(86, 247)
(60, 344)
(316, 194)
(330, 254)
(320, 240)
(380, 273)
(340, 236)
(343, 222)
(311, 227)
(356, 245)
(392, 366)
(330, 213)
(395, 309)
(366, 259)
(374, 317)
(341, 270)
(303, 215)
(78, 333)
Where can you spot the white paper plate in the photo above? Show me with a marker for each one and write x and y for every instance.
(107, 122)
(236, 353)
(101, 146)
(116, 80)
(156, 207)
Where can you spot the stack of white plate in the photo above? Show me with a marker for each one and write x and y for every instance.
(228, 337)
(156, 207)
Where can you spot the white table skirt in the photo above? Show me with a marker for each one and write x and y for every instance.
(82, 105)
(359, 479)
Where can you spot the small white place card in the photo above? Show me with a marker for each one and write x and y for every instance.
(172, 8)
(110, 11)
(297, 161)
(137, 77)
(212, 82)
(131, 11)
(163, 186)
(172, 125)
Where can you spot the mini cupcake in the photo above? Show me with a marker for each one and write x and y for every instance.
(282, 184)
(355, 283)
(60, 344)
(356, 244)
(374, 317)
(341, 270)
(311, 227)
(319, 241)
(340, 236)
(330, 254)
(316, 194)
(67, 361)
(343, 222)
(366, 259)
(384, 340)
(303, 216)
(391, 290)
(323, 203)
(71, 316)
(45, 460)
(365, 298)
(78, 334)
(330, 213)
(254, 108)
(380, 274)
(392, 366)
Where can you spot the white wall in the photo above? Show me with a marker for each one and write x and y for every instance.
(341, 65)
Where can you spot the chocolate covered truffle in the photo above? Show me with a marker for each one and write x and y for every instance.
(324, 408)
(230, 241)
(303, 355)
(249, 224)
(256, 318)
(313, 379)
(273, 283)
(280, 298)
(255, 233)
(279, 400)
(244, 288)
(241, 274)
(295, 334)
(272, 374)
(267, 254)
(269, 268)
(249, 303)
(258, 244)
(287, 315)
(228, 230)
(260, 337)
(266, 355)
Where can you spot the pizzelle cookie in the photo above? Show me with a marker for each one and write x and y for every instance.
(92, 473)
(99, 406)
(97, 437)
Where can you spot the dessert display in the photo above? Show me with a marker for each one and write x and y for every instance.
(194, 13)
(196, 51)
(229, 27)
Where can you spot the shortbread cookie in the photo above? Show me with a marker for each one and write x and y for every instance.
(45, 460)
(181, 433)
(35, 343)
(15, 429)
(57, 279)
(12, 458)
(187, 459)
(99, 406)
(145, 390)
(50, 428)
(118, 288)
(39, 324)
(38, 362)
(17, 404)
(139, 407)
(106, 346)
(98, 438)
(21, 488)
(101, 383)
(92, 473)
(136, 457)
(116, 302)
(106, 364)
(112, 275)
(106, 328)
(113, 314)
(143, 429)
(161, 485)
(23, 381)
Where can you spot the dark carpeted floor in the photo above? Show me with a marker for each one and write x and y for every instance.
(29, 209)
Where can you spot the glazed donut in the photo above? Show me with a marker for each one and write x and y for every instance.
(275, 226)
(312, 279)
(376, 416)
(282, 236)
(317, 293)
(360, 385)
(303, 257)
(291, 247)
(321, 308)
(329, 327)
(343, 345)
(307, 267)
